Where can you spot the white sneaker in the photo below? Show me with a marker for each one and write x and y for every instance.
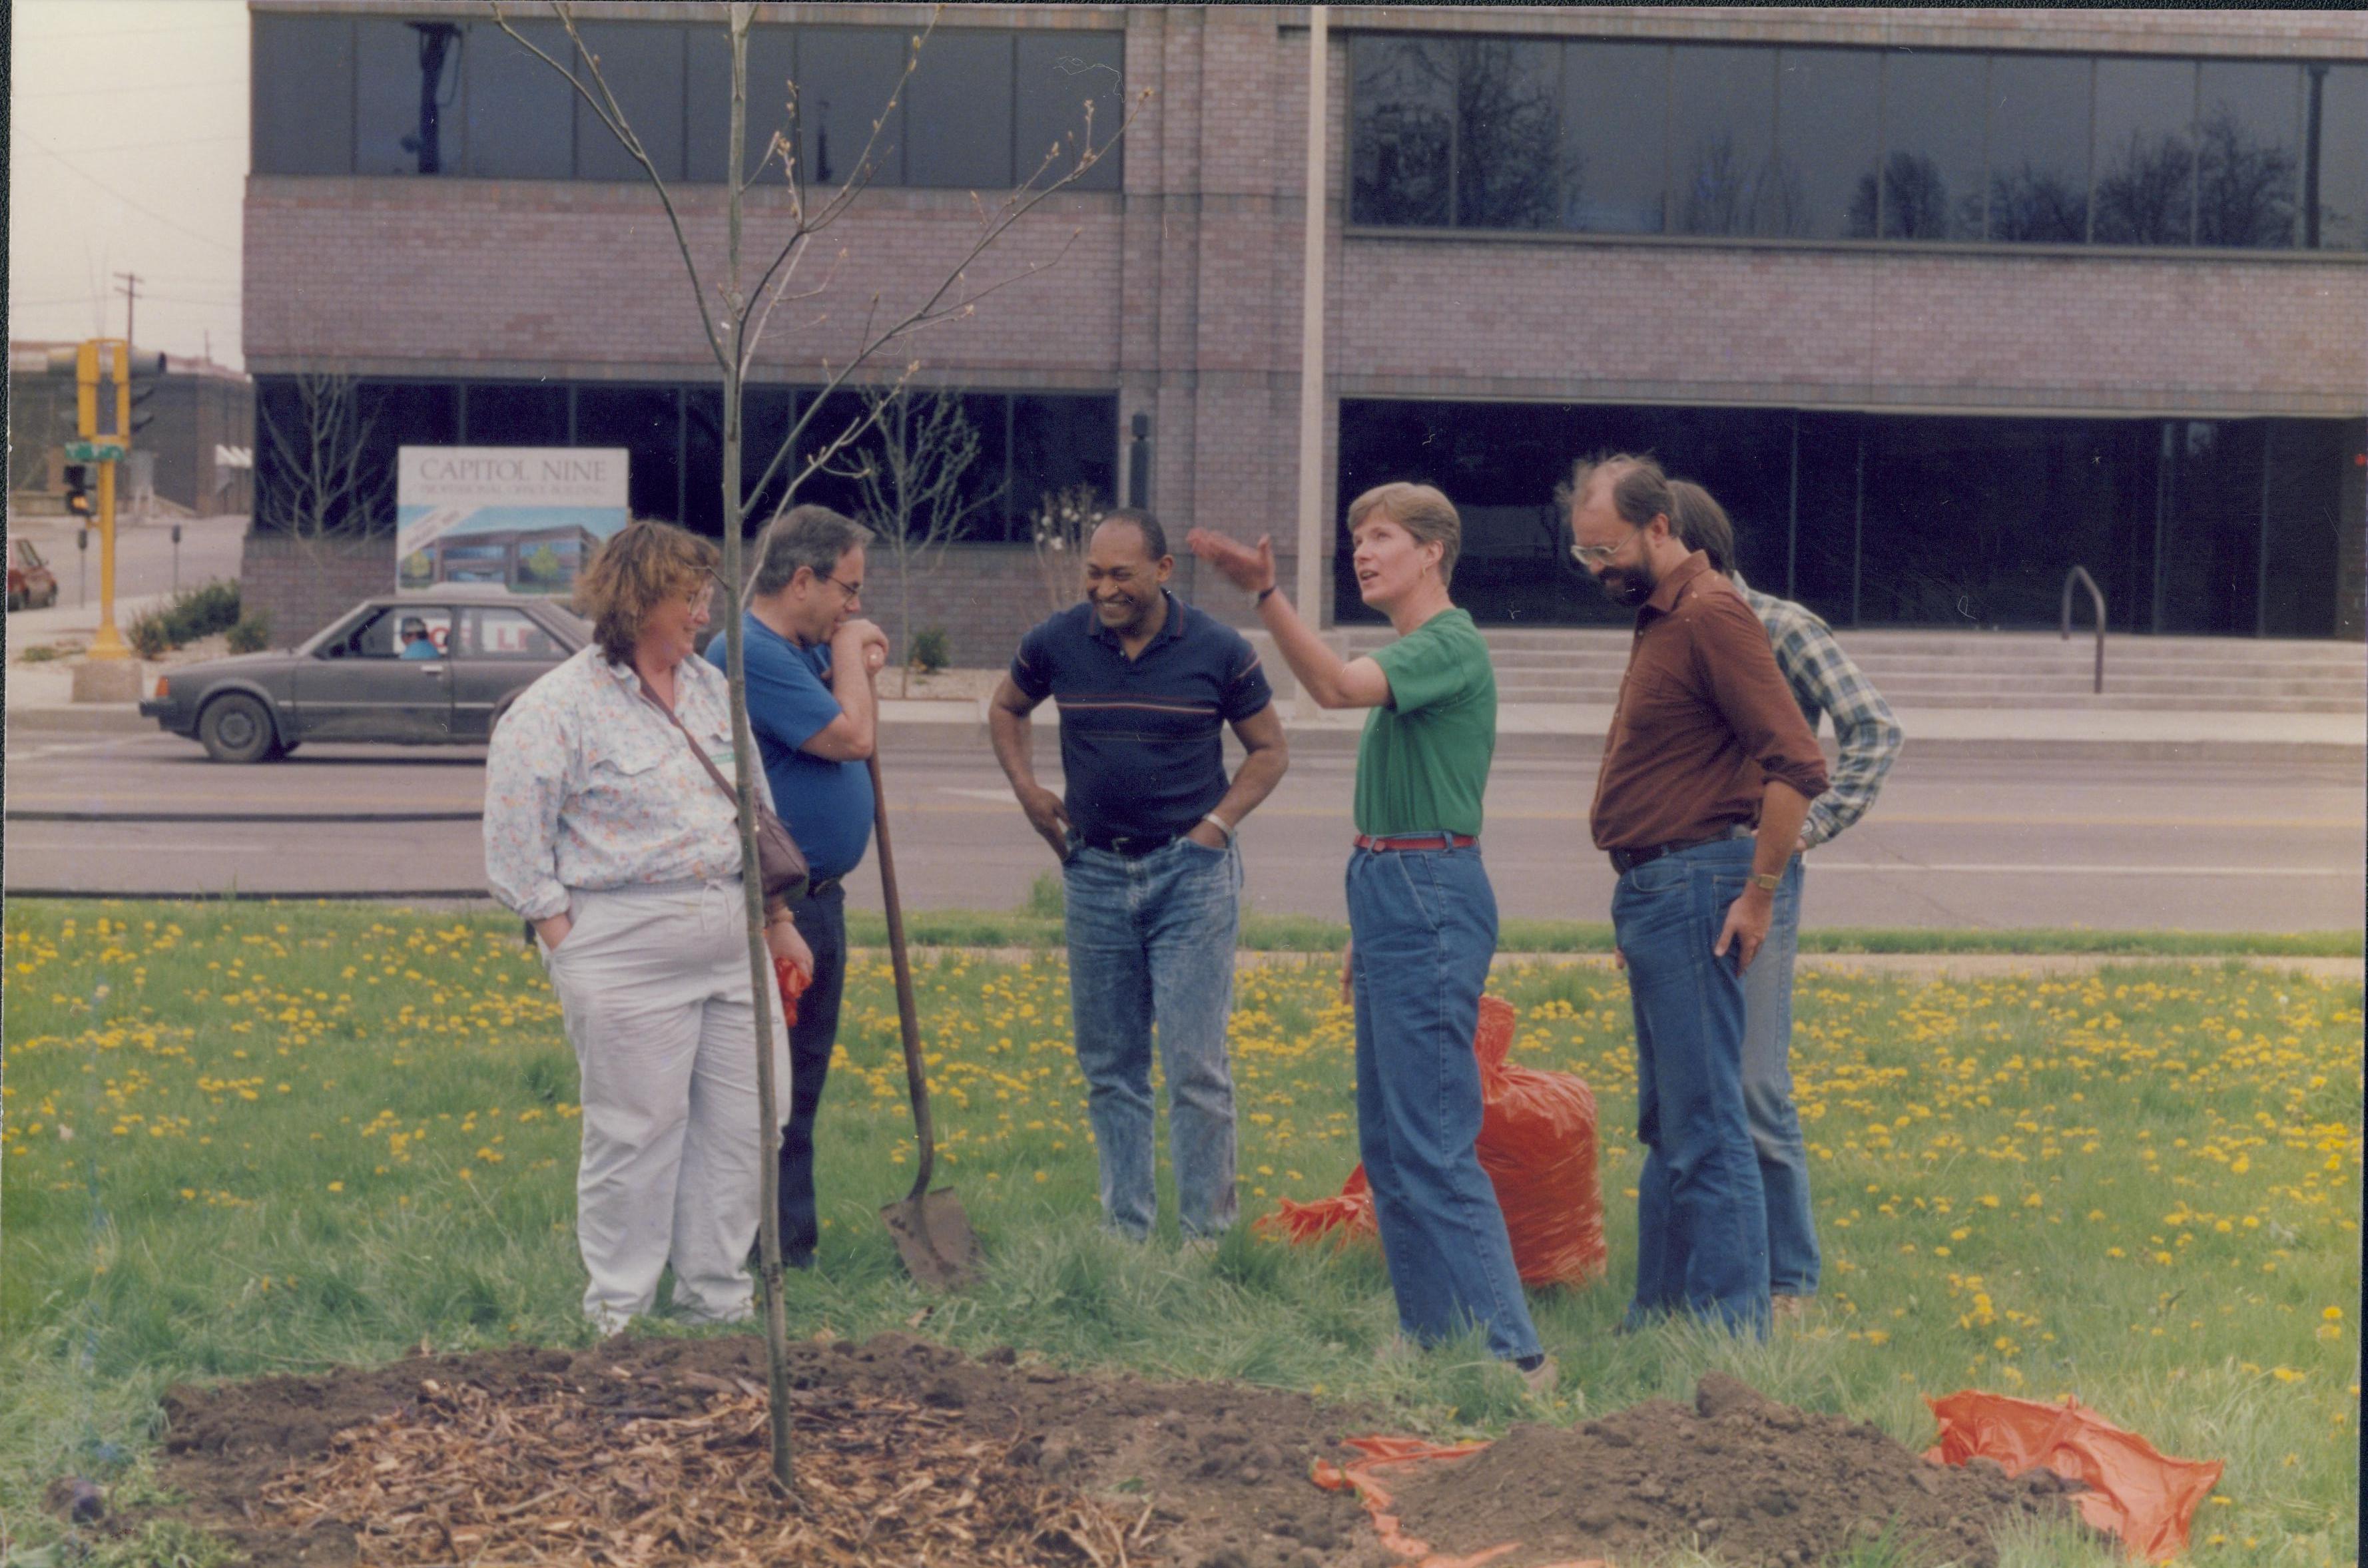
(1540, 1378)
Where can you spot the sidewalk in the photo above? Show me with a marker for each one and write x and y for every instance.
(37, 700)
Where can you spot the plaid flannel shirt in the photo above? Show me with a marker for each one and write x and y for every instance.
(1825, 680)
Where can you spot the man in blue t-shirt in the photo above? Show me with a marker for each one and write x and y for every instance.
(811, 706)
(1152, 881)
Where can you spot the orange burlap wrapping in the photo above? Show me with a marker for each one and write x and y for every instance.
(792, 981)
(1537, 1143)
(2133, 1493)
(1384, 1455)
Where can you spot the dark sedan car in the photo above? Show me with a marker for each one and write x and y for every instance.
(413, 669)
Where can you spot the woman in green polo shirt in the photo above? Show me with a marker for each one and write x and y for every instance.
(1422, 919)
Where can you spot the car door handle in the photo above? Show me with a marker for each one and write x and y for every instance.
(431, 670)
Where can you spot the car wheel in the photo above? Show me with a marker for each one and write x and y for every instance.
(237, 727)
(15, 603)
(49, 602)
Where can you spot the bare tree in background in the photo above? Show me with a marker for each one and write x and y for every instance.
(325, 482)
(735, 294)
(1064, 522)
(913, 474)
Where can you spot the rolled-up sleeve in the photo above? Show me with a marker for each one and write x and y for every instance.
(1738, 669)
(526, 780)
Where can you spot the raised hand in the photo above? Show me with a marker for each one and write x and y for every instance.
(1252, 571)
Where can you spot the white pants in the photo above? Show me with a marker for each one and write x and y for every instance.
(653, 984)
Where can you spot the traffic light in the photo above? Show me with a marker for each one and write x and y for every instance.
(78, 482)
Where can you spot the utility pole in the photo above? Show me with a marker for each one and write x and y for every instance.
(130, 292)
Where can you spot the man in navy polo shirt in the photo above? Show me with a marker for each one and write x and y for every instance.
(813, 711)
(1145, 684)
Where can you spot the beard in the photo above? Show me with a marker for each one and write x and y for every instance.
(1626, 588)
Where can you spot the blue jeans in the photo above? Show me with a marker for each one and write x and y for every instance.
(1423, 922)
(1768, 1097)
(1151, 940)
(1702, 1220)
(822, 921)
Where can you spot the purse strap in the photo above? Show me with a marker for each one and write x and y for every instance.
(712, 771)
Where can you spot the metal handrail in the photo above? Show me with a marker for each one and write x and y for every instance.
(2097, 598)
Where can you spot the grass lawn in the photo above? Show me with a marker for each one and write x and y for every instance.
(243, 1138)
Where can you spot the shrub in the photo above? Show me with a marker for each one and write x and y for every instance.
(149, 637)
(202, 611)
(251, 633)
(930, 649)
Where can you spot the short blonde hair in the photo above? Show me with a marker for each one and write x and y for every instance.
(644, 564)
(1423, 511)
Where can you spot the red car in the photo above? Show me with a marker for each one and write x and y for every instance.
(31, 583)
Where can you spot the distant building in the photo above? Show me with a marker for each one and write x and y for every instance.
(1943, 303)
(197, 447)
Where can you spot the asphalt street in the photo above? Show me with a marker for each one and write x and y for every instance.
(1960, 843)
(145, 565)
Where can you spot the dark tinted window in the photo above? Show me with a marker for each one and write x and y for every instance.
(1509, 158)
(772, 67)
(765, 414)
(517, 413)
(1060, 76)
(304, 79)
(849, 76)
(1614, 136)
(2248, 123)
(1057, 442)
(958, 111)
(646, 423)
(1403, 98)
(521, 113)
(2145, 151)
(641, 64)
(702, 458)
(2039, 149)
(1933, 184)
(1722, 180)
(407, 95)
(2335, 154)
(1828, 112)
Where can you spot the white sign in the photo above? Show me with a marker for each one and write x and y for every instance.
(527, 518)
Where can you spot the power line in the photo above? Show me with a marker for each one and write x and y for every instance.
(134, 32)
(129, 201)
(129, 87)
(159, 146)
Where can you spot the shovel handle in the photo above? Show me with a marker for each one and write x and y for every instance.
(909, 1019)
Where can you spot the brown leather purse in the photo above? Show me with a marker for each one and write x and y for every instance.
(780, 863)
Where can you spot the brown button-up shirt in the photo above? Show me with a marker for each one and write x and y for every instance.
(1704, 718)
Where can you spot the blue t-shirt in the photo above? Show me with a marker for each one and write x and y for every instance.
(1142, 740)
(827, 804)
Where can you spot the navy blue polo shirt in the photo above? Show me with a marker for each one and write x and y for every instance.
(1141, 739)
(827, 805)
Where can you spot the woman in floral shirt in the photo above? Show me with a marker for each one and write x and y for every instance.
(604, 831)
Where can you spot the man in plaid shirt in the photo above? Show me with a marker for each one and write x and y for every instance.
(1824, 681)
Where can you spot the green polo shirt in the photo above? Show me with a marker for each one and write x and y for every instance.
(1422, 766)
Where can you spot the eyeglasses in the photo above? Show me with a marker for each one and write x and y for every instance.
(1597, 554)
(853, 591)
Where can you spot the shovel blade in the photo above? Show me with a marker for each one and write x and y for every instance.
(934, 1238)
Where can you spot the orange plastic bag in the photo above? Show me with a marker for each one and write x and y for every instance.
(793, 983)
(1385, 1455)
(2133, 1493)
(1537, 1143)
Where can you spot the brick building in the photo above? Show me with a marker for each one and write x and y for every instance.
(1942, 302)
(200, 417)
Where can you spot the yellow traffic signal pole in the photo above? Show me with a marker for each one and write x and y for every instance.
(107, 642)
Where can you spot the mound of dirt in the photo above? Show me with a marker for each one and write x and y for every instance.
(1739, 1476)
(653, 1452)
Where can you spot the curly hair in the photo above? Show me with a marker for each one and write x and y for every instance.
(644, 564)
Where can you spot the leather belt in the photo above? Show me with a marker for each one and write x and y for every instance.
(1390, 841)
(1627, 860)
(823, 887)
(1134, 846)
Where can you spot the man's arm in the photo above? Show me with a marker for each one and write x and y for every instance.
(1323, 674)
(1782, 812)
(1870, 738)
(1267, 756)
(1008, 728)
(857, 651)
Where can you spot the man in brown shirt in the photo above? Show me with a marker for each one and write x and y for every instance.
(1707, 745)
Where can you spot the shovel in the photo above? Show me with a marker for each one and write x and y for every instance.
(933, 1234)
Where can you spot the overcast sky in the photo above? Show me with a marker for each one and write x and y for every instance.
(127, 152)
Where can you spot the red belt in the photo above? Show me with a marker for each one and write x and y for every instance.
(1417, 841)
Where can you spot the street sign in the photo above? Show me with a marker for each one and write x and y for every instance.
(96, 451)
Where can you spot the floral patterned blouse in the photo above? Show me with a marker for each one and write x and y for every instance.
(588, 785)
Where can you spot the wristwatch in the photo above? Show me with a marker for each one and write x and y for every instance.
(1767, 882)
